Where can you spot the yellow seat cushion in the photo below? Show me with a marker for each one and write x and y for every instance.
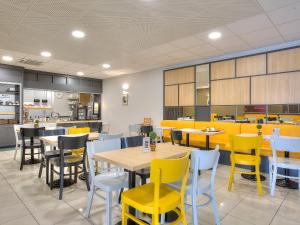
(142, 198)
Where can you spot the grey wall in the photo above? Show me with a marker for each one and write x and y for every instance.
(144, 99)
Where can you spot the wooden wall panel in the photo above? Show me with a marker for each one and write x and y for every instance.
(258, 90)
(280, 88)
(178, 76)
(187, 94)
(251, 65)
(284, 61)
(223, 69)
(231, 92)
(171, 95)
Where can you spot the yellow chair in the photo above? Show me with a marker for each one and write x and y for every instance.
(79, 130)
(238, 145)
(156, 197)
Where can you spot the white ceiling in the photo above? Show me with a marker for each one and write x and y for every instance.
(137, 35)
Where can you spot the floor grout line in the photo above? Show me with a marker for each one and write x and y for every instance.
(279, 208)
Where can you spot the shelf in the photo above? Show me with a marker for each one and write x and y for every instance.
(7, 113)
(9, 105)
(10, 93)
(38, 107)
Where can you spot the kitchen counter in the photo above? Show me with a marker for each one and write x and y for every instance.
(69, 121)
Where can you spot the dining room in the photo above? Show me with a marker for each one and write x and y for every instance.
(149, 112)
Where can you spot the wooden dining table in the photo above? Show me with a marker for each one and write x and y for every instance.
(53, 140)
(135, 158)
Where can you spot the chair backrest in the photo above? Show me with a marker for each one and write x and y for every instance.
(133, 141)
(287, 144)
(54, 132)
(100, 146)
(72, 142)
(79, 130)
(31, 132)
(245, 144)
(169, 171)
(205, 160)
(134, 129)
(176, 135)
(146, 129)
(110, 136)
(17, 130)
(159, 133)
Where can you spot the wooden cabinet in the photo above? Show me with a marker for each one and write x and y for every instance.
(171, 95)
(251, 65)
(231, 92)
(179, 76)
(187, 94)
(222, 70)
(276, 89)
(284, 61)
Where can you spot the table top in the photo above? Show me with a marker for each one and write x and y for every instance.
(199, 131)
(135, 158)
(52, 140)
(167, 128)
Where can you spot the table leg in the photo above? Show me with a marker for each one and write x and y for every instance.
(286, 182)
(207, 142)
(187, 139)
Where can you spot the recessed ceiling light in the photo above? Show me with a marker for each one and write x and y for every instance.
(7, 58)
(79, 73)
(105, 66)
(125, 86)
(78, 34)
(215, 35)
(46, 54)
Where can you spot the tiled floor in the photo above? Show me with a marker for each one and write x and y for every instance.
(25, 199)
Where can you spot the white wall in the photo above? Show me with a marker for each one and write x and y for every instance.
(144, 100)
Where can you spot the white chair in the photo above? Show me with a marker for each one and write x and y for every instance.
(103, 137)
(18, 137)
(287, 144)
(105, 128)
(159, 133)
(198, 185)
(134, 129)
(109, 181)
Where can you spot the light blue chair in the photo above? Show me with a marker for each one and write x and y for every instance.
(111, 179)
(202, 160)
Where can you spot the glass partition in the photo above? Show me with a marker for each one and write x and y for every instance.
(202, 85)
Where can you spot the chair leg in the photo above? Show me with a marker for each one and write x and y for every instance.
(124, 211)
(182, 209)
(51, 177)
(70, 173)
(86, 177)
(76, 174)
(231, 178)
(90, 201)
(47, 170)
(215, 208)
(273, 185)
(162, 218)
(120, 195)
(155, 219)
(16, 151)
(22, 158)
(61, 183)
(144, 180)
(259, 186)
(41, 167)
(109, 208)
(270, 174)
(195, 209)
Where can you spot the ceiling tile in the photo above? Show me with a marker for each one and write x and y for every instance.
(250, 24)
(285, 14)
(289, 28)
(262, 36)
(186, 42)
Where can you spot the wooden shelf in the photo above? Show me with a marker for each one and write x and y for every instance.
(7, 113)
(38, 107)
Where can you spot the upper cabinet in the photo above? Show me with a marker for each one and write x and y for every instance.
(223, 69)
(251, 65)
(179, 76)
(284, 61)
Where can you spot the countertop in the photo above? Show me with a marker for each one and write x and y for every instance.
(70, 121)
